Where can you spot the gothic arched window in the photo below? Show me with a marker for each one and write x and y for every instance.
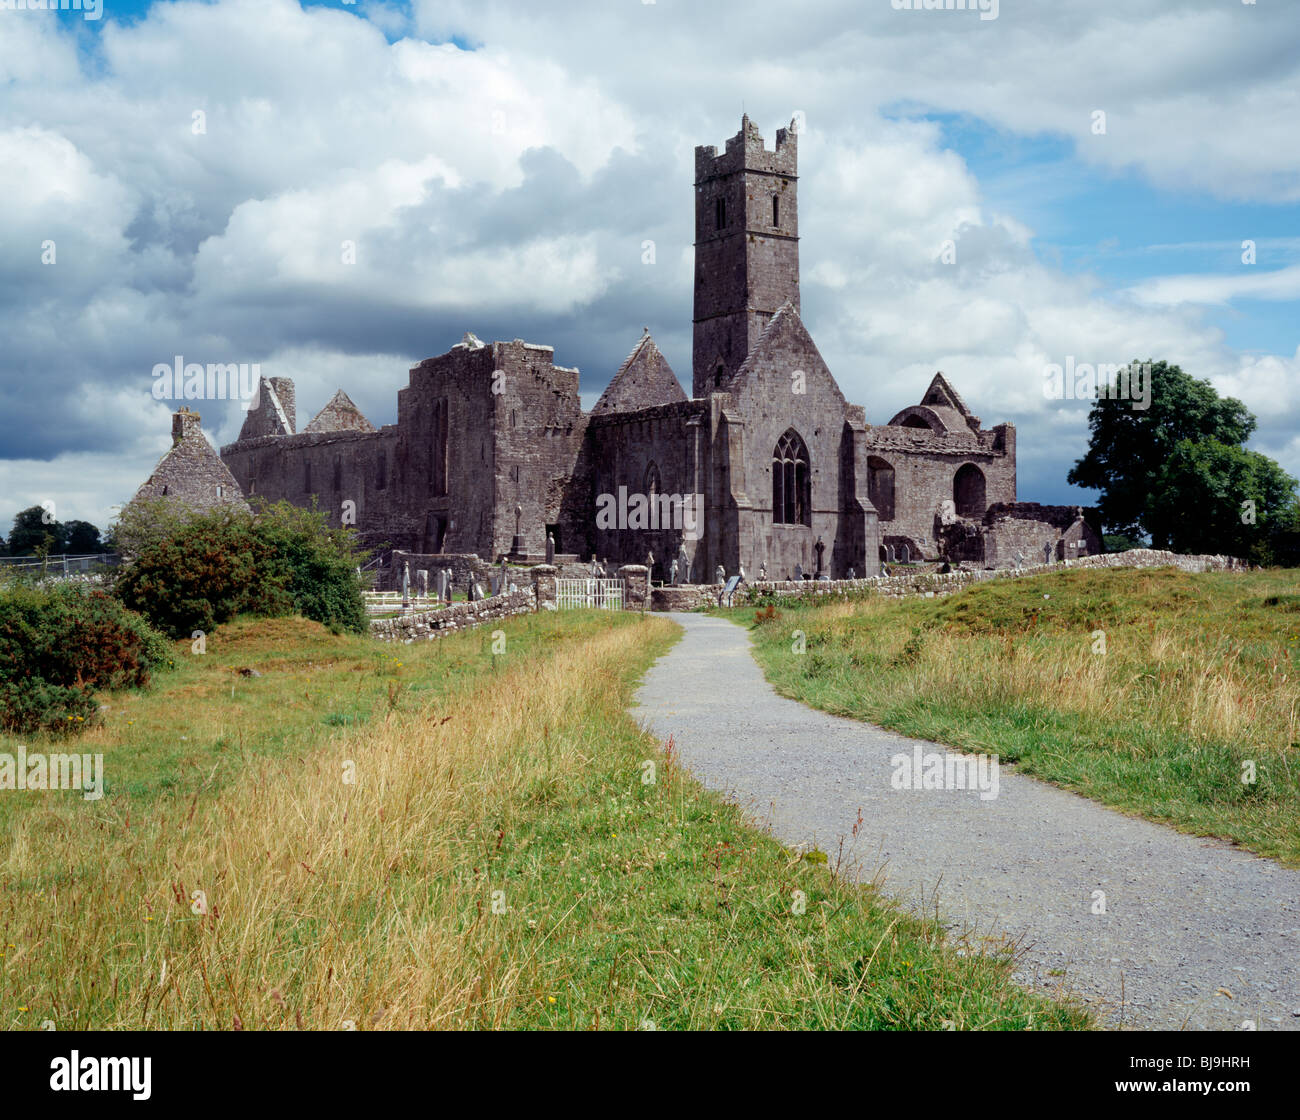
(791, 481)
(652, 483)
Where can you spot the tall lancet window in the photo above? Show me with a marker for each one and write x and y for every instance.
(791, 481)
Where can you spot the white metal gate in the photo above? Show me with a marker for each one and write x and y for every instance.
(603, 594)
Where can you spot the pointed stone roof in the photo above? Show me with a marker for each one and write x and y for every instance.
(942, 393)
(340, 415)
(267, 413)
(645, 379)
(941, 408)
(191, 472)
(786, 344)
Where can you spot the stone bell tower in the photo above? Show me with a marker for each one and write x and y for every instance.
(746, 248)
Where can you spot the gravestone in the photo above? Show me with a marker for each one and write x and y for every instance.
(422, 581)
(672, 573)
(852, 574)
(550, 548)
(720, 574)
(798, 571)
(762, 570)
(819, 548)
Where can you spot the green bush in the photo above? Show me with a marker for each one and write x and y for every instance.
(58, 646)
(204, 569)
(202, 572)
(316, 564)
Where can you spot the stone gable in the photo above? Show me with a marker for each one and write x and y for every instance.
(192, 472)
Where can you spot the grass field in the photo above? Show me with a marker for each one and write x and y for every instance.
(1155, 691)
(379, 837)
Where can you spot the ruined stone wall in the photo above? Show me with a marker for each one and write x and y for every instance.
(330, 468)
(685, 598)
(469, 455)
(925, 465)
(938, 583)
(425, 625)
(539, 427)
(1024, 528)
(444, 460)
(622, 446)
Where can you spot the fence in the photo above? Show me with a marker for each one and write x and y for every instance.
(62, 564)
(603, 594)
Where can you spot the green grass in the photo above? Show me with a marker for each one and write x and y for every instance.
(1148, 690)
(628, 903)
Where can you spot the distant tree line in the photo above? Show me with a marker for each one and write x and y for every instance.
(31, 535)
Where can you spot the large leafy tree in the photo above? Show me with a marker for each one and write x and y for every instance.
(1216, 497)
(31, 533)
(1177, 471)
(83, 538)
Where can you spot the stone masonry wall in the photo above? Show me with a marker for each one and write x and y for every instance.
(426, 625)
(929, 583)
(938, 583)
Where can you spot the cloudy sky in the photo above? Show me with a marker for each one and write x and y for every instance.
(198, 168)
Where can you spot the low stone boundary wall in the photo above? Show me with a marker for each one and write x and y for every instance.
(424, 625)
(944, 583)
(684, 597)
(689, 597)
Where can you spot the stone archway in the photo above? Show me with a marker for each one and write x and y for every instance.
(968, 491)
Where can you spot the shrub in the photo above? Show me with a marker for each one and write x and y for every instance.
(59, 645)
(203, 572)
(317, 565)
(200, 571)
(147, 521)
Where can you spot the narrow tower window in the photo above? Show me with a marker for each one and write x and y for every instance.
(720, 213)
(776, 210)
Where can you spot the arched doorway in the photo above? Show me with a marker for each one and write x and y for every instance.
(968, 491)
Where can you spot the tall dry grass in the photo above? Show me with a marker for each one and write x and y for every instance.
(324, 902)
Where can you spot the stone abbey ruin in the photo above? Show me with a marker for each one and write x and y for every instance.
(492, 453)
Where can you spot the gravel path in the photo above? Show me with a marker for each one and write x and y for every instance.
(1185, 917)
